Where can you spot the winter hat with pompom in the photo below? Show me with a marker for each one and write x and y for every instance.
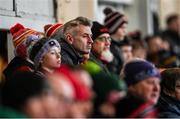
(19, 35)
(113, 20)
(51, 29)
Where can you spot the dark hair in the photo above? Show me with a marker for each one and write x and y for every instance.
(171, 18)
(126, 42)
(148, 38)
(135, 35)
(22, 86)
(169, 78)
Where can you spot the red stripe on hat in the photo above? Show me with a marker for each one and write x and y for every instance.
(52, 29)
(112, 18)
(20, 37)
(104, 30)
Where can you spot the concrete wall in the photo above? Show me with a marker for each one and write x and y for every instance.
(139, 12)
(167, 7)
(70, 9)
(31, 13)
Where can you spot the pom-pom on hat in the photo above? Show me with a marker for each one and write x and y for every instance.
(98, 29)
(51, 29)
(113, 20)
(19, 34)
(138, 70)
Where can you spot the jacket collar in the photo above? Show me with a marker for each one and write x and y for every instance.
(75, 55)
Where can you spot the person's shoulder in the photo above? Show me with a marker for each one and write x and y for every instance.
(168, 114)
(66, 59)
(7, 112)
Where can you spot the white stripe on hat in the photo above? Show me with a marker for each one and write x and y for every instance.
(14, 40)
(48, 30)
(110, 14)
(114, 26)
(55, 30)
(59, 25)
(114, 17)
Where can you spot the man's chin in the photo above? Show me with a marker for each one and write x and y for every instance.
(107, 56)
(86, 52)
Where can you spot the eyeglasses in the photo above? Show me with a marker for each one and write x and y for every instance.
(103, 39)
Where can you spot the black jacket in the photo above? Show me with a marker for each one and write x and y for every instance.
(174, 39)
(169, 106)
(69, 55)
(116, 65)
(16, 64)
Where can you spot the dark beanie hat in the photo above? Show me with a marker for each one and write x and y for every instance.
(22, 86)
(113, 20)
(138, 70)
(109, 82)
(98, 29)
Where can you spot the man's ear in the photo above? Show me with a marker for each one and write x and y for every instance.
(69, 38)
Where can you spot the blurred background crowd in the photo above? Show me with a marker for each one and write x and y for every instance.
(90, 58)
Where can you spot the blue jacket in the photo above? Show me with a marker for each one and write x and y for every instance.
(169, 106)
(15, 65)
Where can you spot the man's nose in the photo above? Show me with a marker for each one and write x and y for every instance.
(90, 40)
